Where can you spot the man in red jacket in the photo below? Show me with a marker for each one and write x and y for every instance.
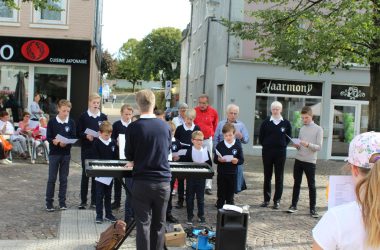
(207, 120)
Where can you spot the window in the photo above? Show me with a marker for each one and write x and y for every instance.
(47, 16)
(7, 14)
(291, 110)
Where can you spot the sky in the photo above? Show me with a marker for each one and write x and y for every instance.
(125, 19)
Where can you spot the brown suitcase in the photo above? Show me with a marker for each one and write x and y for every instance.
(112, 236)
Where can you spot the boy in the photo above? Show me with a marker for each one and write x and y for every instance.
(90, 119)
(175, 147)
(183, 134)
(120, 127)
(104, 148)
(228, 155)
(59, 155)
(195, 186)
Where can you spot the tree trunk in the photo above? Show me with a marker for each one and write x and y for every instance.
(374, 101)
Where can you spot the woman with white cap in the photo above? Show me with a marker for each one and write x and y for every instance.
(356, 225)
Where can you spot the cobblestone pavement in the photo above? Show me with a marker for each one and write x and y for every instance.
(25, 224)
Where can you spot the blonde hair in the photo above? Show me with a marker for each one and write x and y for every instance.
(93, 96)
(197, 133)
(276, 104)
(64, 102)
(191, 114)
(368, 195)
(127, 107)
(146, 100)
(105, 126)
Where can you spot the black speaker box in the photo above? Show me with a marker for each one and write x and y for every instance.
(231, 230)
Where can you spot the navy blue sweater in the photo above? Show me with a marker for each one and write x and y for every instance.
(273, 137)
(148, 142)
(103, 151)
(235, 150)
(86, 121)
(66, 130)
(118, 128)
(176, 146)
(183, 135)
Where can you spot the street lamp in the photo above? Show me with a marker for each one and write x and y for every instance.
(211, 6)
(174, 65)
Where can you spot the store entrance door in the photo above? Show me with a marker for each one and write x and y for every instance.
(347, 120)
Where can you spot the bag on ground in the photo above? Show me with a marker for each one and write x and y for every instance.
(111, 237)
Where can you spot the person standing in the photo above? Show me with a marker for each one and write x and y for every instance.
(207, 120)
(35, 109)
(275, 134)
(241, 134)
(180, 119)
(148, 142)
(311, 137)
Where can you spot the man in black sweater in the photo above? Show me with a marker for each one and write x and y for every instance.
(275, 132)
(148, 141)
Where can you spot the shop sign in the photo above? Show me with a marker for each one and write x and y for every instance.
(350, 92)
(270, 86)
(43, 50)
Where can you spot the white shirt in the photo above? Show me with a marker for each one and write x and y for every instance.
(92, 114)
(199, 156)
(105, 142)
(229, 145)
(9, 130)
(149, 116)
(187, 128)
(60, 121)
(341, 228)
(276, 120)
(125, 124)
(178, 121)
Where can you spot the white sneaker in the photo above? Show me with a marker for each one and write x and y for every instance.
(5, 162)
(33, 161)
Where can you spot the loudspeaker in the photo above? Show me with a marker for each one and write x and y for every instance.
(231, 230)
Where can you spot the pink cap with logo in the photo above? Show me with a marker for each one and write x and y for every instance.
(362, 147)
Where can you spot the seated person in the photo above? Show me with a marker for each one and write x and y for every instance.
(40, 139)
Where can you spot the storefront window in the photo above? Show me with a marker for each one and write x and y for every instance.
(14, 88)
(291, 110)
(7, 14)
(51, 83)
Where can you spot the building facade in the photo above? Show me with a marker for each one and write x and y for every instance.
(222, 66)
(54, 53)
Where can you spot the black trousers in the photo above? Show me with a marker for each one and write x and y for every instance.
(309, 169)
(273, 160)
(149, 202)
(117, 190)
(226, 189)
(86, 154)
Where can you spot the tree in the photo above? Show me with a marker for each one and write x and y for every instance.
(108, 64)
(38, 4)
(318, 36)
(129, 63)
(157, 51)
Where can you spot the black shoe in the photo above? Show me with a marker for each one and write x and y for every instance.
(208, 191)
(314, 213)
(115, 205)
(264, 204)
(170, 218)
(93, 205)
(292, 209)
(50, 208)
(276, 205)
(82, 206)
(202, 220)
(179, 205)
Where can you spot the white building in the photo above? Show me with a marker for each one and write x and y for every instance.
(221, 66)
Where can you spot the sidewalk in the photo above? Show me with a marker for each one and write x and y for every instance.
(26, 225)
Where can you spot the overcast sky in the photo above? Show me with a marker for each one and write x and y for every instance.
(124, 19)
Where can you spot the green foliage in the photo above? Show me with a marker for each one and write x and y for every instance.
(108, 64)
(156, 52)
(160, 100)
(37, 4)
(348, 123)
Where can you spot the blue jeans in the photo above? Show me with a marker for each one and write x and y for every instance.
(57, 164)
(195, 187)
(128, 214)
(103, 192)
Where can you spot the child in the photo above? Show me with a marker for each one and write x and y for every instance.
(227, 168)
(18, 141)
(175, 147)
(23, 125)
(183, 133)
(59, 155)
(194, 186)
(104, 148)
(90, 119)
(120, 128)
(40, 139)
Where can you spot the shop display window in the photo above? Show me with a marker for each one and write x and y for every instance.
(7, 14)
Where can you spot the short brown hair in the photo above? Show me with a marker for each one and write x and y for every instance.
(105, 126)
(306, 110)
(25, 114)
(64, 102)
(145, 99)
(197, 133)
(228, 127)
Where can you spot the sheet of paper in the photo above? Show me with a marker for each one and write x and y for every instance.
(341, 190)
(105, 180)
(122, 147)
(91, 132)
(65, 140)
(43, 131)
(296, 141)
(33, 124)
(228, 158)
(170, 156)
(218, 153)
(182, 152)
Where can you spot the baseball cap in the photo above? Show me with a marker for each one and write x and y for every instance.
(362, 147)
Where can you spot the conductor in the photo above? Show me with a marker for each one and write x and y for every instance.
(147, 148)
